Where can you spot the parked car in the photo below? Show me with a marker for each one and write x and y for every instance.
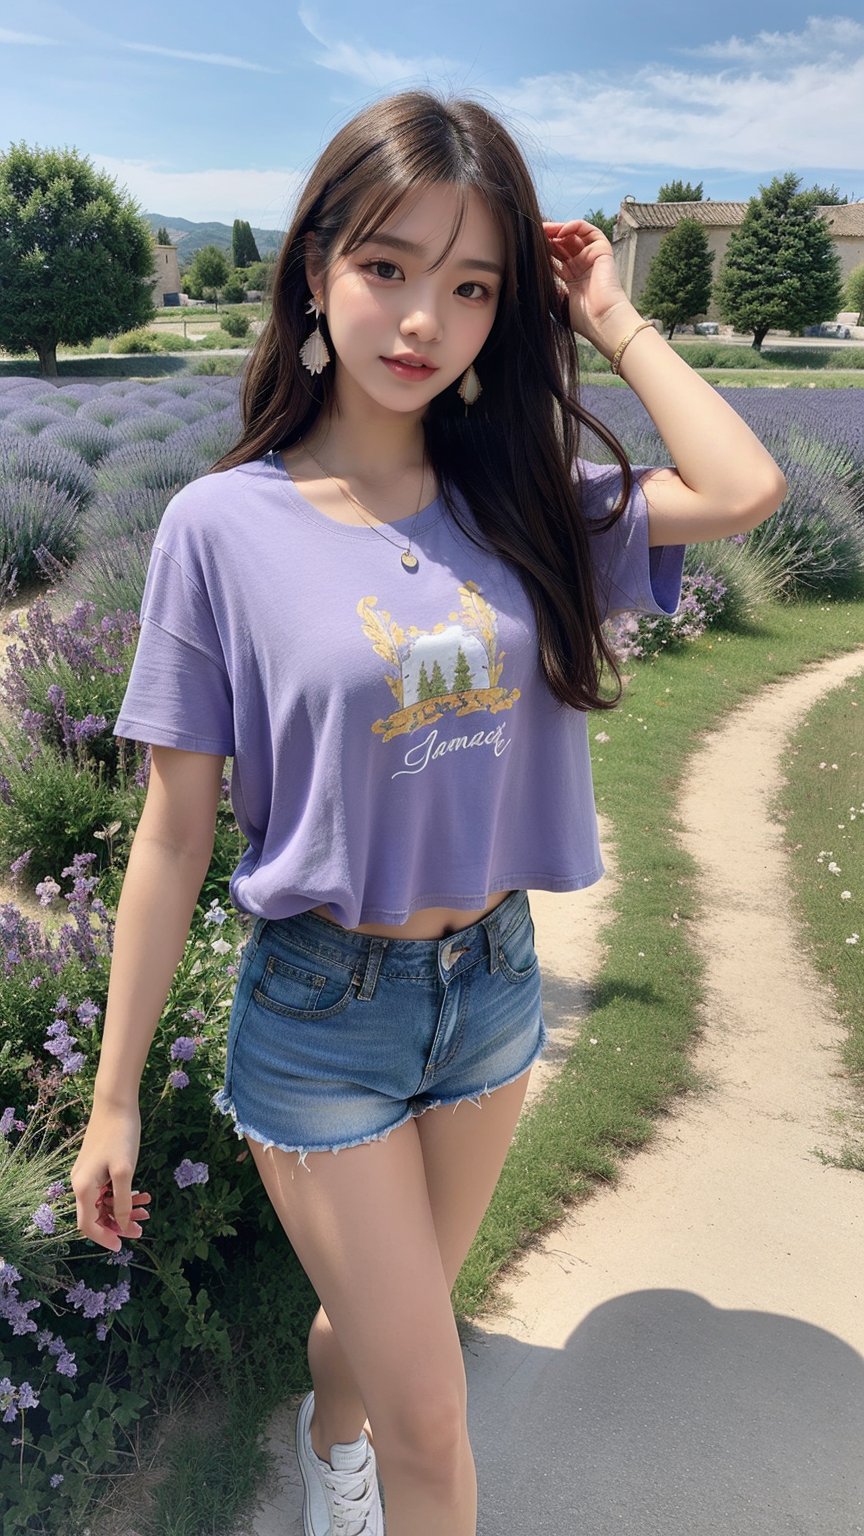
(830, 328)
(707, 328)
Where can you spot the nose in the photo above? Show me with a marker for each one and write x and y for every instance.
(422, 320)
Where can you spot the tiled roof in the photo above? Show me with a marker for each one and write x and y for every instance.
(666, 215)
(844, 219)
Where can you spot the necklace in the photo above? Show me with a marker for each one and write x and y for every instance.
(409, 561)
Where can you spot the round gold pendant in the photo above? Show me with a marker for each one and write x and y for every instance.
(409, 561)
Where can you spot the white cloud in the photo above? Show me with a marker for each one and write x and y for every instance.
(265, 198)
(823, 36)
(811, 115)
(369, 65)
(32, 38)
(230, 61)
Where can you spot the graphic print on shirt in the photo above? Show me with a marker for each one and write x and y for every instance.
(452, 668)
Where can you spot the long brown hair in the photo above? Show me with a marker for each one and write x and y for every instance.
(512, 455)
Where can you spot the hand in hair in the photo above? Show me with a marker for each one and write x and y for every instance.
(582, 259)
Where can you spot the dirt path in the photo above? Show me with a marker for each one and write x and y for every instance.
(683, 1354)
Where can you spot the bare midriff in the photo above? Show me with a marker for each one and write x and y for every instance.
(428, 923)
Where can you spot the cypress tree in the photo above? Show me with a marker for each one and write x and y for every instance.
(678, 285)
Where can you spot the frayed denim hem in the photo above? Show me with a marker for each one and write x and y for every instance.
(223, 1101)
(486, 1091)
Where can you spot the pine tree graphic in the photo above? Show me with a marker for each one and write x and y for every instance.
(462, 679)
(424, 690)
(438, 684)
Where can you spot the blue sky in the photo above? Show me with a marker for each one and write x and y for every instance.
(202, 114)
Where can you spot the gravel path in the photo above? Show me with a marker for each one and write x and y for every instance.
(684, 1353)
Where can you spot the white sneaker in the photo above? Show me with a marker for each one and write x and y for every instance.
(341, 1499)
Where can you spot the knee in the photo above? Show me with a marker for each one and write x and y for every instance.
(425, 1435)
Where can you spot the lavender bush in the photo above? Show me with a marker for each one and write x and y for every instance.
(635, 635)
(77, 1341)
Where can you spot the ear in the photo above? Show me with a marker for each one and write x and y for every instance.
(314, 265)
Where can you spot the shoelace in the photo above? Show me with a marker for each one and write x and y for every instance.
(353, 1496)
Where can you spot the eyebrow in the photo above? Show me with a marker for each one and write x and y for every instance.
(418, 250)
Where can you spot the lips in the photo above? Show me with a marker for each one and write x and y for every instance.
(411, 362)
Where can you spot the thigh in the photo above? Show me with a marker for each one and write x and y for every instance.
(464, 1149)
(361, 1225)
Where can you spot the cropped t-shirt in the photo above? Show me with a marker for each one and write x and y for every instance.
(395, 743)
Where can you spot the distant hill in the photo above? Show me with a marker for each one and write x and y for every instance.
(190, 237)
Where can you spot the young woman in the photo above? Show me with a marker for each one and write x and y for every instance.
(385, 604)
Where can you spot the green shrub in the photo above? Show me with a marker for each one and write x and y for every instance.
(718, 354)
(235, 324)
(219, 365)
(136, 341)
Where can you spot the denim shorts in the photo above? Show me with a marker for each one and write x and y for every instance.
(335, 1037)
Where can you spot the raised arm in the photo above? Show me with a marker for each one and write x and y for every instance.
(724, 480)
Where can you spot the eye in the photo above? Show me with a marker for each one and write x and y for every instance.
(485, 293)
(368, 266)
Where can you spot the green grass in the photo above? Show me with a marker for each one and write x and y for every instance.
(821, 806)
(645, 1015)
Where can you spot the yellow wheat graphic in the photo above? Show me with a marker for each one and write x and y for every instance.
(388, 638)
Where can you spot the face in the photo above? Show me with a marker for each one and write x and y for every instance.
(381, 301)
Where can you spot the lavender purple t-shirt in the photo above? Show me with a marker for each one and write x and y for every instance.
(395, 744)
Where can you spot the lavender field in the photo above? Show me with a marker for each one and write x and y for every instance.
(87, 469)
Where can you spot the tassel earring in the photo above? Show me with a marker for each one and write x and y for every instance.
(470, 389)
(313, 353)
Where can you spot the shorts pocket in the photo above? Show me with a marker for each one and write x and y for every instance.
(517, 956)
(298, 992)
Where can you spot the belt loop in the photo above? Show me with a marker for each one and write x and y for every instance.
(491, 926)
(373, 965)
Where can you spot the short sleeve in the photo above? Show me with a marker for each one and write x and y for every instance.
(629, 575)
(179, 693)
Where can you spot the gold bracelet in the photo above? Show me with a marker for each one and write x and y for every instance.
(617, 357)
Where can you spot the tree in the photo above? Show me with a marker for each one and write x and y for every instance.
(678, 285)
(853, 298)
(679, 192)
(208, 272)
(77, 258)
(260, 276)
(781, 268)
(162, 236)
(243, 247)
(604, 221)
(825, 196)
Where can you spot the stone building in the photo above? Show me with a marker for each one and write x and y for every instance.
(166, 269)
(639, 228)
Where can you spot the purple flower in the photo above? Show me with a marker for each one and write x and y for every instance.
(21, 862)
(195, 1015)
(183, 1048)
(43, 1218)
(87, 1012)
(178, 1079)
(191, 1173)
(26, 1396)
(6, 1120)
(56, 1480)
